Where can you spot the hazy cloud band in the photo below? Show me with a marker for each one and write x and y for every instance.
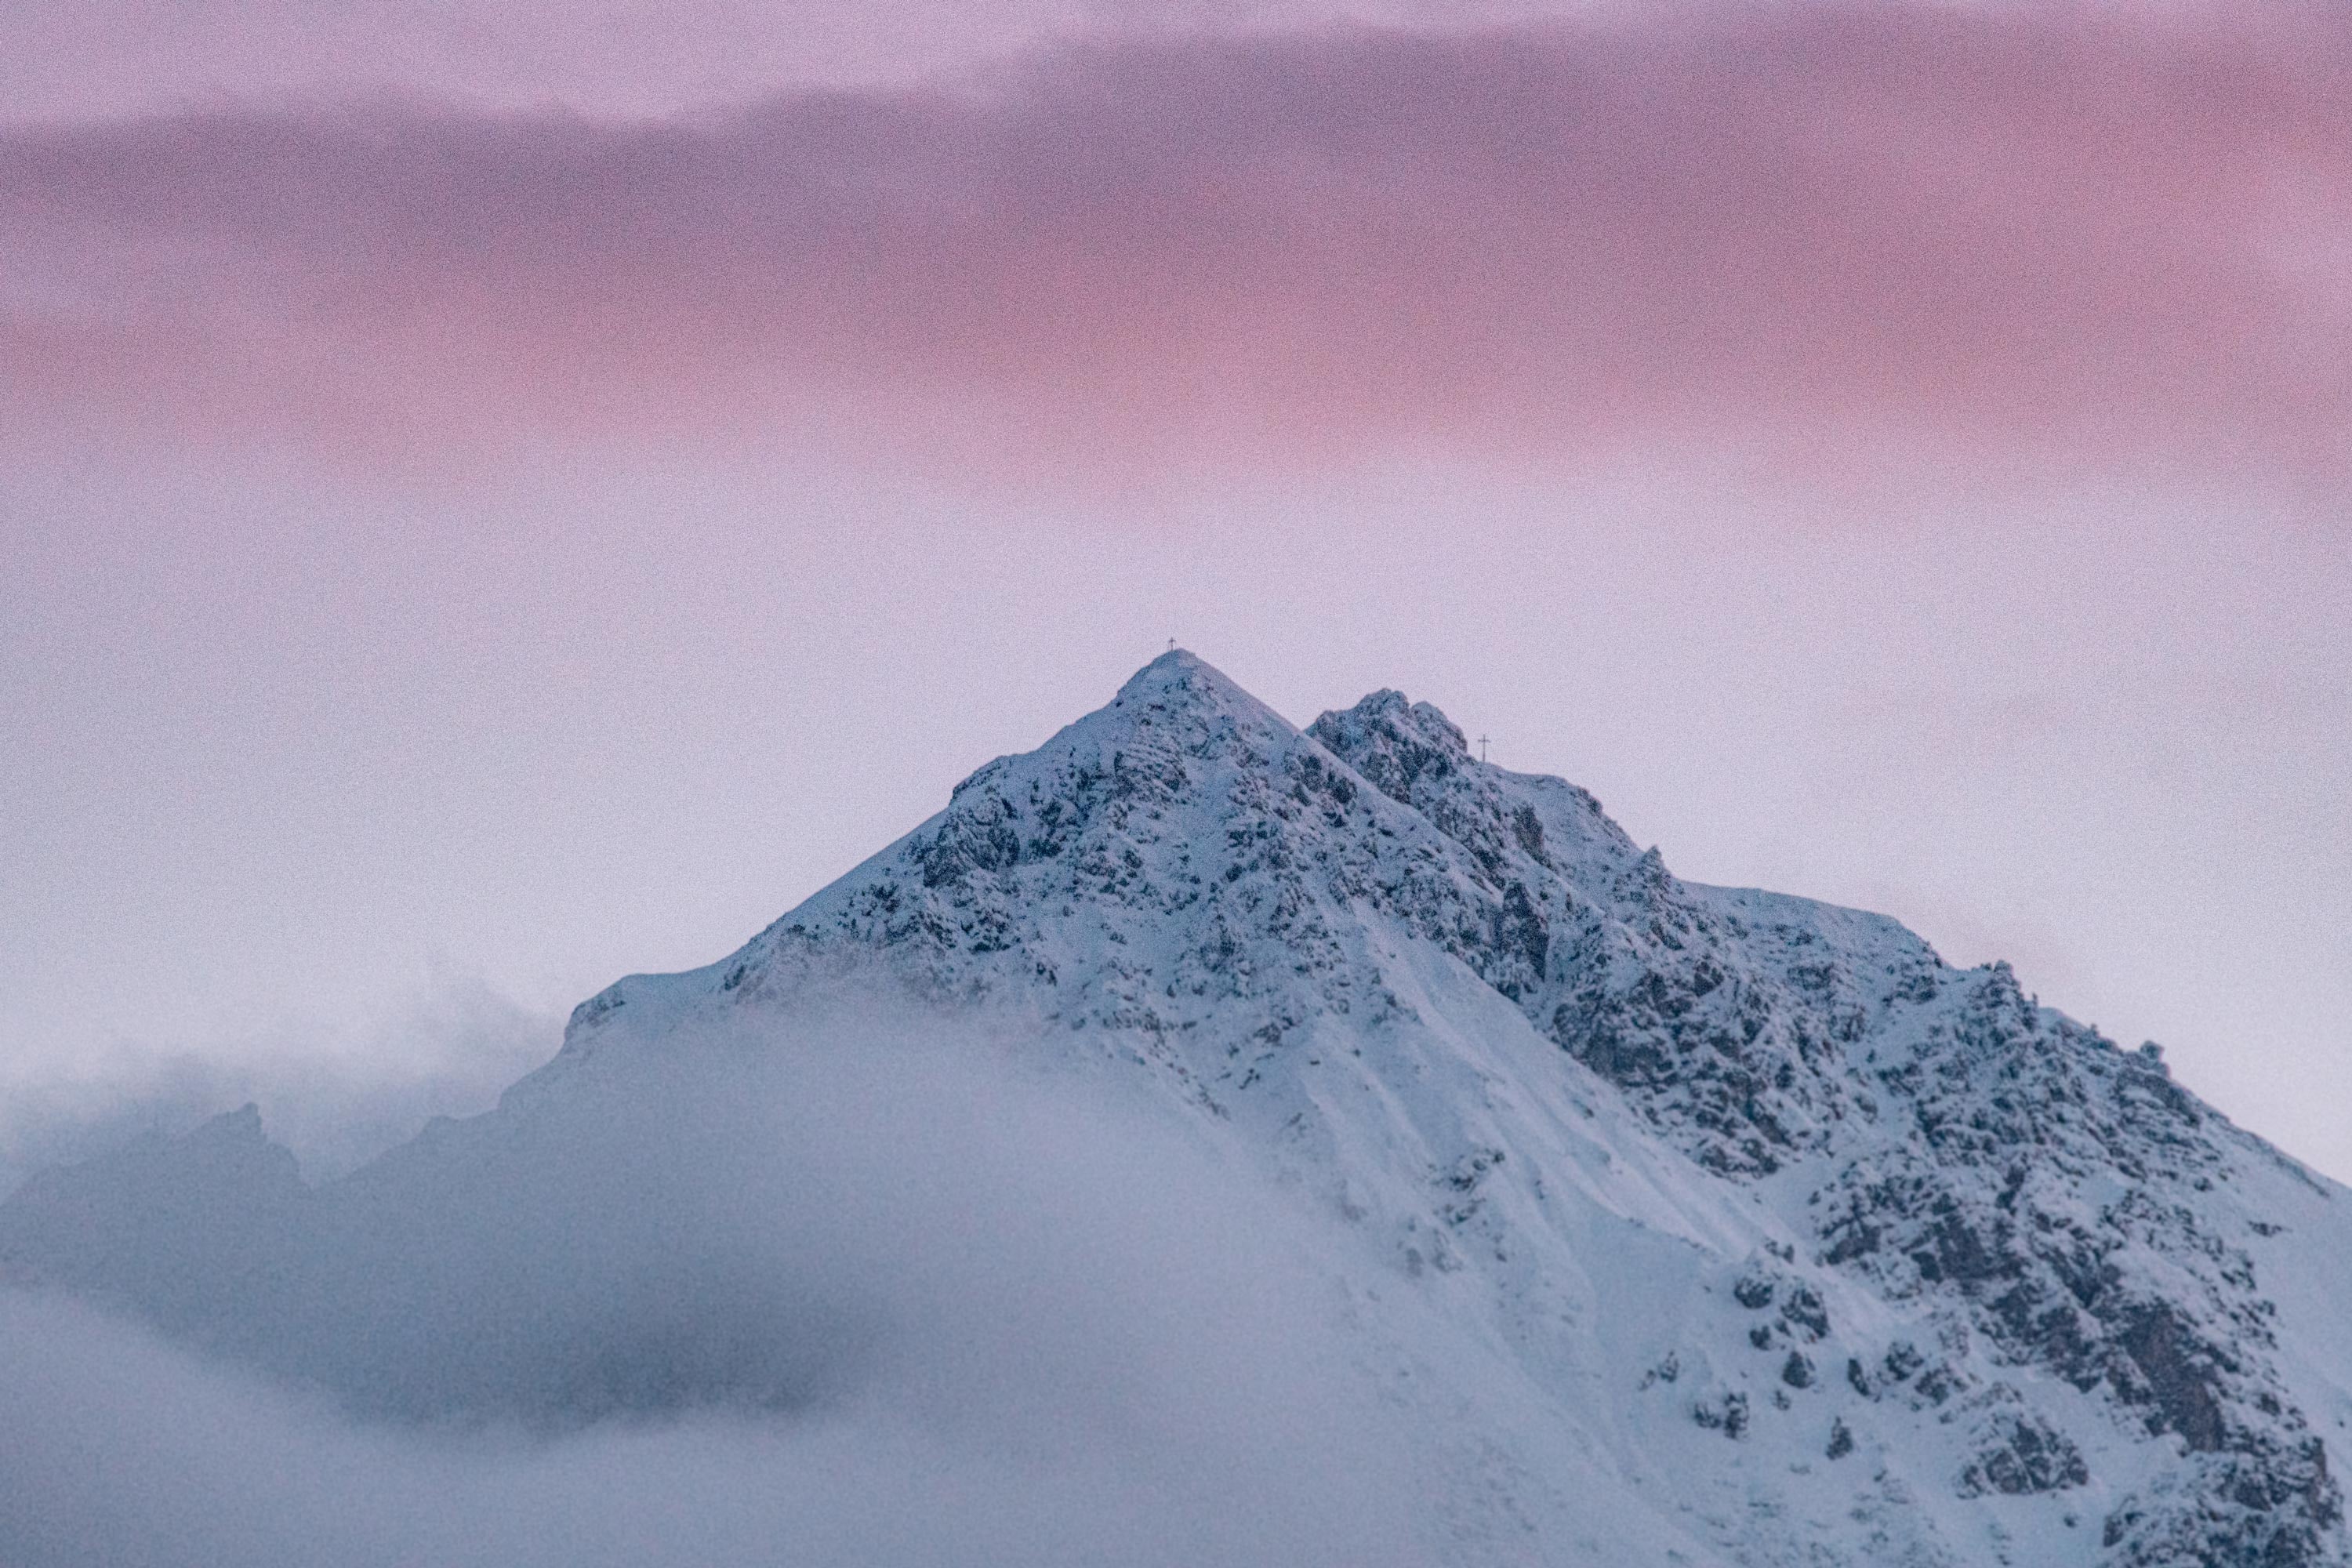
(2054, 231)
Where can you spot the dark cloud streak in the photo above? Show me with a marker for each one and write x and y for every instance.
(2043, 230)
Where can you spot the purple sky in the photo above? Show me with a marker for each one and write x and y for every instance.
(517, 495)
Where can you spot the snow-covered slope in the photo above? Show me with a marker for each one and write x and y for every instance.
(1673, 1223)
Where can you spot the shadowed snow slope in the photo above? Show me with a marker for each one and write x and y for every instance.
(1329, 1092)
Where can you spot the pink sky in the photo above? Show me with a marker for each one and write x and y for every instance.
(1807, 230)
(537, 491)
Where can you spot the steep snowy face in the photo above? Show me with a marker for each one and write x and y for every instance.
(1951, 1143)
(1183, 869)
(1723, 1020)
(1189, 870)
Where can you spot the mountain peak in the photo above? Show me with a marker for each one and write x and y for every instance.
(1181, 682)
(1176, 667)
(1394, 742)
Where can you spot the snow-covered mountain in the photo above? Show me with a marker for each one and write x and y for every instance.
(1668, 1223)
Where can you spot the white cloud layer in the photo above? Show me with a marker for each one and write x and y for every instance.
(836, 1299)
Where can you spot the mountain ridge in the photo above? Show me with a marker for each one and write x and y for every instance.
(1988, 1281)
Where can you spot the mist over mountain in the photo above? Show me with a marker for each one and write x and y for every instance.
(1208, 1140)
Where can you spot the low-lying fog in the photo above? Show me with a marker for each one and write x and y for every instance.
(835, 1295)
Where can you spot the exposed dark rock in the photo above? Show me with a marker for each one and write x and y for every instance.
(1728, 1415)
(2025, 1455)
(2179, 1374)
(1802, 1309)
